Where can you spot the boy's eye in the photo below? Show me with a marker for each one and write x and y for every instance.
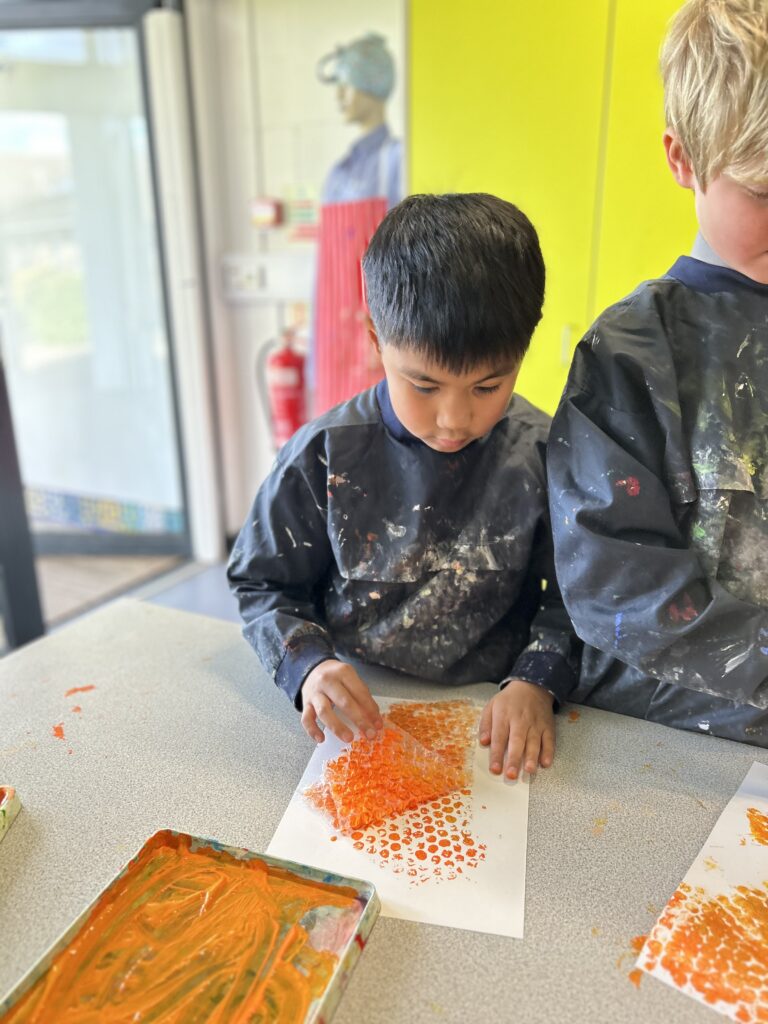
(487, 389)
(424, 390)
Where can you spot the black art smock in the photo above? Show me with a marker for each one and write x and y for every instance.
(658, 475)
(365, 543)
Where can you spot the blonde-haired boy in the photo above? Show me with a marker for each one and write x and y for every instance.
(658, 455)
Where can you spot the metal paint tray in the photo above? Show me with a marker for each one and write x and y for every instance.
(345, 938)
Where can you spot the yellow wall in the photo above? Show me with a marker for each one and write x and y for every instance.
(556, 107)
(646, 219)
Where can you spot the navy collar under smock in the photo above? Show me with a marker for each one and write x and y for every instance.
(708, 278)
(390, 420)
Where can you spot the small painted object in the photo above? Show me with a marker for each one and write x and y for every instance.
(10, 805)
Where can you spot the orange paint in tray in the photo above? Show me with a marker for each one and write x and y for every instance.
(192, 930)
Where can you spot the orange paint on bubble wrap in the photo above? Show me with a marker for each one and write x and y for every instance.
(374, 779)
(191, 935)
(428, 839)
(717, 946)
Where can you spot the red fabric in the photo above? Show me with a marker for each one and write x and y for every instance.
(344, 361)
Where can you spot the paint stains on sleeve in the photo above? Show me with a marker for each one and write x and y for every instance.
(631, 485)
(682, 611)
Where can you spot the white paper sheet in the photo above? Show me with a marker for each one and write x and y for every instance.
(711, 940)
(488, 896)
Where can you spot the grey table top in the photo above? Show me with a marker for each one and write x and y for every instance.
(183, 730)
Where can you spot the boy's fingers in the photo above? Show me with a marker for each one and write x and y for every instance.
(309, 721)
(515, 749)
(364, 698)
(532, 748)
(547, 755)
(339, 692)
(331, 720)
(499, 736)
(484, 729)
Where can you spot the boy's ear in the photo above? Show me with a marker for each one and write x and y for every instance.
(678, 161)
(372, 335)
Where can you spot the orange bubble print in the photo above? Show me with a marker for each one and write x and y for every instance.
(404, 798)
(716, 946)
(758, 825)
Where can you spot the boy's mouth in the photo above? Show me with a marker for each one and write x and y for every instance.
(447, 444)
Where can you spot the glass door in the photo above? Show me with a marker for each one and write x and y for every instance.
(85, 339)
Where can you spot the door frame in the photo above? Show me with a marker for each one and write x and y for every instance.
(192, 391)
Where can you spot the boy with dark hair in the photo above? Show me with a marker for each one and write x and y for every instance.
(658, 456)
(408, 526)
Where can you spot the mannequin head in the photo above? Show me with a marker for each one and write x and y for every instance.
(364, 74)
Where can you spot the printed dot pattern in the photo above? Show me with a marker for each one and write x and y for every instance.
(717, 946)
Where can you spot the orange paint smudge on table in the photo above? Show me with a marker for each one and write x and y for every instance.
(192, 934)
(635, 976)
(599, 826)
(58, 731)
(637, 943)
(79, 689)
(758, 825)
(426, 832)
(717, 946)
(574, 716)
(77, 709)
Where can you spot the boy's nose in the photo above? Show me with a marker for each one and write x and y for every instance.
(454, 418)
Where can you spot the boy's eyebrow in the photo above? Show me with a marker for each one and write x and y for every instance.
(417, 375)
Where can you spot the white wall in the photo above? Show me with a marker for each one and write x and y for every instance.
(266, 126)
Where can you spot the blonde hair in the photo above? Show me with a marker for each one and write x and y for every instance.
(714, 62)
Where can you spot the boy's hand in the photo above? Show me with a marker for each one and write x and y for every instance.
(520, 722)
(336, 683)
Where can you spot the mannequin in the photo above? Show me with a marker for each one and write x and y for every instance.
(364, 75)
(357, 193)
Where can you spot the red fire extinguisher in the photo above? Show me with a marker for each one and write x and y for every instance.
(280, 376)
